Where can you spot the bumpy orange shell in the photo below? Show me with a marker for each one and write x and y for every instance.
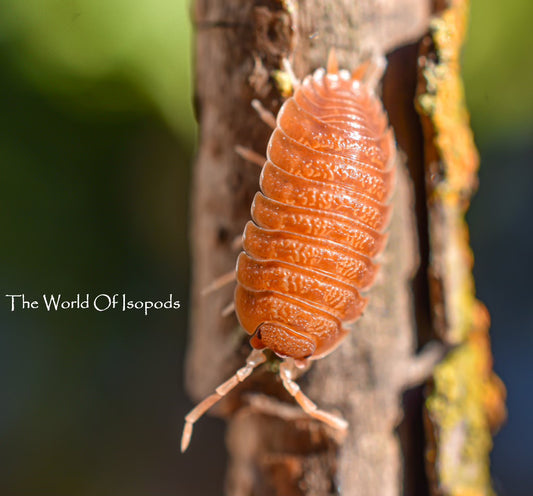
(318, 221)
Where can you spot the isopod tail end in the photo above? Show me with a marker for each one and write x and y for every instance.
(333, 64)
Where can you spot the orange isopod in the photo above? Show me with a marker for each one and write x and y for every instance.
(317, 224)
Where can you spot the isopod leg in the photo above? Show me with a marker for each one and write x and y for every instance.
(250, 155)
(219, 282)
(287, 67)
(255, 358)
(228, 309)
(237, 243)
(286, 372)
(265, 115)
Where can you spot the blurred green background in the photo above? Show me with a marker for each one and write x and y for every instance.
(96, 142)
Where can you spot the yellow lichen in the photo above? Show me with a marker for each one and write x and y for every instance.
(283, 82)
(457, 407)
(467, 400)
(443, 101)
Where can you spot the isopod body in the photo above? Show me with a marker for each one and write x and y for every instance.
(317, 226)
(318, 221)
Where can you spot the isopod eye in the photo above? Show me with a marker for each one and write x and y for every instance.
(283, 341)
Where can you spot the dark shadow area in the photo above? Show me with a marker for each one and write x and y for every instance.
(413, 443)
(399, 86)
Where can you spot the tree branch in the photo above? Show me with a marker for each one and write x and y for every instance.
(274, 450)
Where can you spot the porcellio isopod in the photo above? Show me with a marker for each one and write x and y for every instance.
(317, 225)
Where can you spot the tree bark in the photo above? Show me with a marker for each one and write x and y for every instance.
(274, 448)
